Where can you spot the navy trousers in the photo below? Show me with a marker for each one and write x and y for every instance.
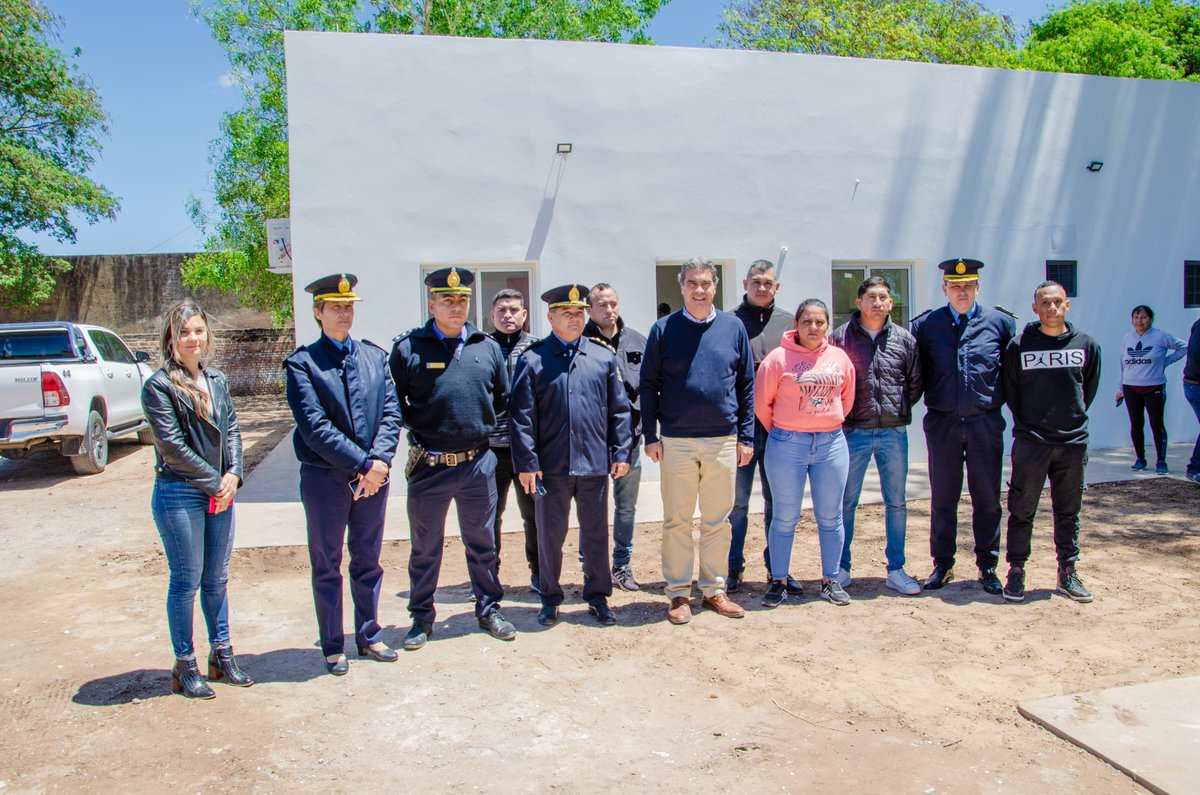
(335, 519)
(978, 442)
(553, 511)
(472, 486)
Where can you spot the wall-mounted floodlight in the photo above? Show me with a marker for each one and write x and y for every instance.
(1094, 166)
(564, 149)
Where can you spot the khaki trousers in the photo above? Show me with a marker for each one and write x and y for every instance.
(691, 468)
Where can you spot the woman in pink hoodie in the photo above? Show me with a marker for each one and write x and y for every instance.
(801, 393)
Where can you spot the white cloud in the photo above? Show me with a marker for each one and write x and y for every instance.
(227, 80)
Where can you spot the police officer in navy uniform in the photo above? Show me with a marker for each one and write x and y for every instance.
(452, 383)
(960, 347)
(569, 421)
(347, 430)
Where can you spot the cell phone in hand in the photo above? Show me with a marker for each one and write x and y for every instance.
(539, 490)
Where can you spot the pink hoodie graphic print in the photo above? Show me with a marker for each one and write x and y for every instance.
(804, 390)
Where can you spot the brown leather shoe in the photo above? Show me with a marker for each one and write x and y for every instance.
(680, 611)
(724, 605)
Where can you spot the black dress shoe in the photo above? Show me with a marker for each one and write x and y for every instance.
(497, 626)
(378, 655)
(421, 631)
(794, 588)
(340, 667)
(990, 582)
(938, 578)
(734, 581)
(603, 613)
(547, 616)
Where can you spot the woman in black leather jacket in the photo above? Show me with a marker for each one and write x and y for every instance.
(198, 470)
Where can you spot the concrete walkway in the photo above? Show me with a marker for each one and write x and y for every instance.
(269, 513)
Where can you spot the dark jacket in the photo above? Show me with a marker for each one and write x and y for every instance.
(1191, 367)
(511, 347)
(631, 348)
(188, 447)
(331, 433)
(961, 373)
(764, 326)
(887, 373)
(449, 400)
(1049, 383)
(569, 414)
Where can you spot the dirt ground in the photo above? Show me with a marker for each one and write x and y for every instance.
(898, 694)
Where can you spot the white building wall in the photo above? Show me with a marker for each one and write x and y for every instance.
(409, 150)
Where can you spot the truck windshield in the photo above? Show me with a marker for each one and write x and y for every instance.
(49, 344)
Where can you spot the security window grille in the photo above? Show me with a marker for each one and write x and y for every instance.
(1191, 283)
(1064, 271)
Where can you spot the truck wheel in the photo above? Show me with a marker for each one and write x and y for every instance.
(94, 455)
(145, 436)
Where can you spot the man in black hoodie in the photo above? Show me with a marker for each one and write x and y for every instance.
(1051, 373)
(765, 324)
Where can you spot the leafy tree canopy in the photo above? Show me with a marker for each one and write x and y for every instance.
(50, 124)
(1119, 38)
(941, 31)
(250, 158)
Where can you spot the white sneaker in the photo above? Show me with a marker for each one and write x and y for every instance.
(843, 578)
(898, 580)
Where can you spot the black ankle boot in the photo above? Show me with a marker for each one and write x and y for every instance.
(222, 665)
(186, 679)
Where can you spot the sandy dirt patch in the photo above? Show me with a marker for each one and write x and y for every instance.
(889, 693)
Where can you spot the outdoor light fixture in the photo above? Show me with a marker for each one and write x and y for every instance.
(1093, 166)
(564, 149)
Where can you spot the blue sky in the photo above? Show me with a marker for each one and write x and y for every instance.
(163, 84)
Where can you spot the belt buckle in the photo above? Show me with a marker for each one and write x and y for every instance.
(451, 459)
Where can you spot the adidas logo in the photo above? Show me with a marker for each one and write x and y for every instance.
(1138, 355)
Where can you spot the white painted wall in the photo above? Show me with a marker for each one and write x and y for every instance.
(407, 150)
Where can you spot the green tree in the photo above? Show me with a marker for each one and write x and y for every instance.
(250, 158)
(940, 31)
(1119, 38)
(50, 123)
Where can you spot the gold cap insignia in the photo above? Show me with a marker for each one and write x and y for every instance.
(344, 285)
(960, 268)
(453, 279)
(574, 294)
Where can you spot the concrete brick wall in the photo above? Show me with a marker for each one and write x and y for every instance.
(252, 359)
(128, 293)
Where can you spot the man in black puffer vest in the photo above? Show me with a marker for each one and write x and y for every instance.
(887, 384)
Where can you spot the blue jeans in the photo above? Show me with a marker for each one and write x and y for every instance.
(791, 457)
(1191, 393)
(889, 446)
(625, 497)
(743, 485)
(197, 545)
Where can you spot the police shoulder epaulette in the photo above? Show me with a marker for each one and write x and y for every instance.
(404, 334)
(914, 319)
(528, 343)
(368, 342)
(1007, 311)
(603, 343)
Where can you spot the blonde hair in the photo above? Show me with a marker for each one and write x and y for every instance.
(181, 379)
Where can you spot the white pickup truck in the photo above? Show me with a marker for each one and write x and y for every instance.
(71, 387)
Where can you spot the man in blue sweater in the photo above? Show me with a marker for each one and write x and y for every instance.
(697, 389)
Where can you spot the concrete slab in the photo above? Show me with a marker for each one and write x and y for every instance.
(1151, 732)
(269, 512)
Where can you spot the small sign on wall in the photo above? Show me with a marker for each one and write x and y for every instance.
(279, 245)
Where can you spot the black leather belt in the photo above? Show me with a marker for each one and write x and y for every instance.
(454, 459)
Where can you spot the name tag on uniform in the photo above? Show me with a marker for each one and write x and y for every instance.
(435, 365)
